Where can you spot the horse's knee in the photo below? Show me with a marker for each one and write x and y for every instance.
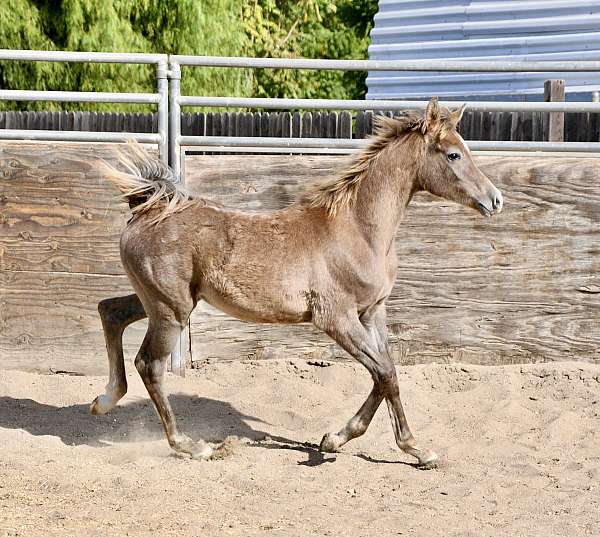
(105, 310)
(150, 369)
(111, 314)
(386, 378)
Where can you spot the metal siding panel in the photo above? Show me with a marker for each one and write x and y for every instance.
(482, 29)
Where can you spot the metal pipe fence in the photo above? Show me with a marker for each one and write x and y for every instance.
(222, 143)
(341, 104)
(160, 98)
(170, 102)
(389, 65)
(340, 145)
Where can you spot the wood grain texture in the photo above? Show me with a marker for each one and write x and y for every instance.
(60, 223)
(57, 212)
(50, 321)
(470, 289)
(516, 288)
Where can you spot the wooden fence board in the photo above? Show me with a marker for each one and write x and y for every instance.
(57, 212)
(475, 125)
(518, 287)
(50, 321)
(492, 291)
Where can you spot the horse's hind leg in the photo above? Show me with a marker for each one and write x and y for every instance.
(116, 315)
(163, 331)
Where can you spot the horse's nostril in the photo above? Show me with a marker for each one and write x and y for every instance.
(496, 202)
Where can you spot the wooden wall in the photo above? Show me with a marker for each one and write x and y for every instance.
(59, 233)
(517, 288)
(520, 287)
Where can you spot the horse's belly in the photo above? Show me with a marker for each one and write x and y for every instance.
(259, 311)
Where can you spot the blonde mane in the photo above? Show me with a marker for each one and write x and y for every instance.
(339, 192)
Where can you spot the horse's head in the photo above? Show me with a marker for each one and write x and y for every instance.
(448, 169)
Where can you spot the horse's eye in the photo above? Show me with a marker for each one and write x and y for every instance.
(453, 156)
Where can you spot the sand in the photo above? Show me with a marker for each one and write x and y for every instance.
(519, 447)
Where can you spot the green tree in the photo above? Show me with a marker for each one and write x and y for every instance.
(167, 26)
(332, 29)
(280, 28)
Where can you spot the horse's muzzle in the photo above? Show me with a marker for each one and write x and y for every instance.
(492, 205)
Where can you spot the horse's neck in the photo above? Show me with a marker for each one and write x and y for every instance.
(383, 196)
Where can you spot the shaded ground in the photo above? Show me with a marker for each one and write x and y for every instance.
(519, 445)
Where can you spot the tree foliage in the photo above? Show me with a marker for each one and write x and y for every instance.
(279, 28)
(311, 29)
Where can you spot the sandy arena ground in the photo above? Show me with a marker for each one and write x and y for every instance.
(520, 449)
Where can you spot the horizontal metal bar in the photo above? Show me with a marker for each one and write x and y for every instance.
(85, 57)
(322, 143)
(268, 150)
(570, 147)
(339, 104)
(78, 136)
(79, 96)
(388, 65)
(242, 141)
(341, 151)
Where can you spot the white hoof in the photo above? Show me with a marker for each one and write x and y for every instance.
(427, 460)
(330, 443)
(203, 454)
(102, 404)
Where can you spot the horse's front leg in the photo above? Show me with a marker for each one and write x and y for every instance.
(366, 342)
(374, 324)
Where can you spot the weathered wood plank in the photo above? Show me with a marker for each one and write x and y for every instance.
(50, 320)
(57, 212)
(297, 125)
(474, 126)
(468, 288)
(554, 91)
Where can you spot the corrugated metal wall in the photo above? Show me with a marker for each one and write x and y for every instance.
(480, 29)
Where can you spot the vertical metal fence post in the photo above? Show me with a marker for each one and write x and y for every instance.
(178, 357)
(162, 83)
(162, 86)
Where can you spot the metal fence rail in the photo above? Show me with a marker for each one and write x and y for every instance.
(223, 142)
(341, 104)
(160, 98)
(389, 65)
(78, 136)
(336, 145)
(79, 96)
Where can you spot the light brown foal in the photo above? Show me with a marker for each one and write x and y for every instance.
(328, 259)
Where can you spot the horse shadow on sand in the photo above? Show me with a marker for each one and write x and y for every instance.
(199, 417)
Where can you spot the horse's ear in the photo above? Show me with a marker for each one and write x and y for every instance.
(456, 115)
(432, 116)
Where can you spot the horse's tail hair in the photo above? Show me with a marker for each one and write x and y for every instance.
(146, 183)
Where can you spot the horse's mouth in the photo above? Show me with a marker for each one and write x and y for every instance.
(485, 211)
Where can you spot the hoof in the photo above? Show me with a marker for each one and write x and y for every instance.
(330, 443)
(199, 451)
(428, 461)
(204, 453)
(102, 404)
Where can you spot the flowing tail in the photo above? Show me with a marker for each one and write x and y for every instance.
(147, 184)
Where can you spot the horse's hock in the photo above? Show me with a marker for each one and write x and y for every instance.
(521, 287)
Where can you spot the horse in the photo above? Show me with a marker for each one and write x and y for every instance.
(326, 259)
